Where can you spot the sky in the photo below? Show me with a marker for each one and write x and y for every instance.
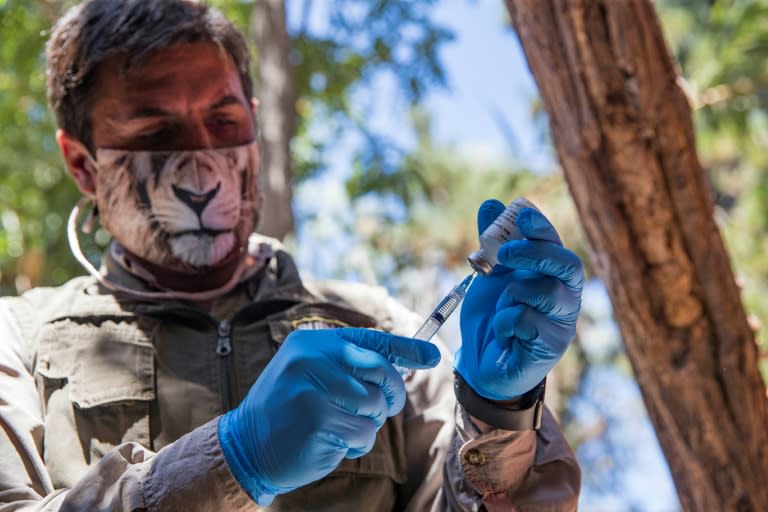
(488, 79)
(485, 111)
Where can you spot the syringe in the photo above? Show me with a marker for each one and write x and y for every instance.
(439, 315)
(444, 309)
(501, 230)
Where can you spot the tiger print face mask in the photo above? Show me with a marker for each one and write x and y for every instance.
(181, 210)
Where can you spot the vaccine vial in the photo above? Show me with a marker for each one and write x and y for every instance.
(503, 229)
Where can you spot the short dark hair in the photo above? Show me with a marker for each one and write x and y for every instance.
(96, 30)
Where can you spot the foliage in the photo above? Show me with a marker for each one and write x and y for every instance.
(35, 194)
(441, 190)
(335, 68)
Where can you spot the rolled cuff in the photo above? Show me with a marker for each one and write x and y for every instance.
(192, 475)
(503, 469)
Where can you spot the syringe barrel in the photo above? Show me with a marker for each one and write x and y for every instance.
(425, 333)
(428, 328)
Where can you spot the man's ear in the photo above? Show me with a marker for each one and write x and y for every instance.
(254, 105)
(79, 162)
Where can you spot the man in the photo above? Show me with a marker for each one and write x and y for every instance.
(196, 371)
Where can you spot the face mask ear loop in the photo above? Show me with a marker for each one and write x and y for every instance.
(74, 241)
(74, 246)
(90, 220)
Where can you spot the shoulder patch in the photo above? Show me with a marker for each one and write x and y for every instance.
(317, 322)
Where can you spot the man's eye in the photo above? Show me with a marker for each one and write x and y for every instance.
(222, 121)
(153, 134)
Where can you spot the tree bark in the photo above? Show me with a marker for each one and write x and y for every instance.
(623, 132)
(277, 115)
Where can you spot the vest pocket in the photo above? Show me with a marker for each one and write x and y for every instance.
(98, 380)
(368, 483)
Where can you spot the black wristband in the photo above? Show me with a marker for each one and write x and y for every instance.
(527, 417)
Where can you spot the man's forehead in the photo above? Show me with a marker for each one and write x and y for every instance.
(202, 73)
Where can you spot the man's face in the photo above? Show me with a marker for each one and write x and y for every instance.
(184, 97)
(175, 175)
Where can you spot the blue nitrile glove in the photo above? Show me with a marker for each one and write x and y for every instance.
(323, 397)
(528, 303)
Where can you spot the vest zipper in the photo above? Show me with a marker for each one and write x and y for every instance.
(224, 349)
(223, 345)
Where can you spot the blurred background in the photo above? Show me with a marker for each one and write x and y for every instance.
(405, 116)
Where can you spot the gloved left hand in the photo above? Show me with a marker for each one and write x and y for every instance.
(529, 304)
(321, 398)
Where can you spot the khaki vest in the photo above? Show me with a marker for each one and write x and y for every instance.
(112, 370)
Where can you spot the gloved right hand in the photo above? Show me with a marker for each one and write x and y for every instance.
(322, 398)
(527, 307)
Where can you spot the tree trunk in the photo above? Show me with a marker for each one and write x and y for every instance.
(277, 112)
(623, 132)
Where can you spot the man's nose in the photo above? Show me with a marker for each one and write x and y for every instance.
(197, 135)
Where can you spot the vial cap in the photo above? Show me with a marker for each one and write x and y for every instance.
(479, 263)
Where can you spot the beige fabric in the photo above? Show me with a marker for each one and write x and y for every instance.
(111, 404)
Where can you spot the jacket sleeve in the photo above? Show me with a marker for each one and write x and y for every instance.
(457, 463)
(191, 474)
(510, 471)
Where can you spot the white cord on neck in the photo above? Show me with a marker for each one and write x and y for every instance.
(74, 245)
